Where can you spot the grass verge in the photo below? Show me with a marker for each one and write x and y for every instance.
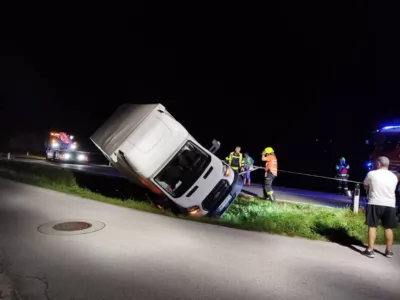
(307, 221)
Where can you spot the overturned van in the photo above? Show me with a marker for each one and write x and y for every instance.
(151, 148)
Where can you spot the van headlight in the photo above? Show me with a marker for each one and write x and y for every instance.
(226, 170)
(193, 210)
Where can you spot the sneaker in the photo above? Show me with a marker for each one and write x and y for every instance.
(389, 254)
(369, 253)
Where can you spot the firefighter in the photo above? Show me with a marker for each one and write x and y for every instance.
(248, 164)
(271, 171)
(342, 175)
(235, 160)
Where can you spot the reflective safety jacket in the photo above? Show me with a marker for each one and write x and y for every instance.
(235, 160)
(271, 165)
(342, 169)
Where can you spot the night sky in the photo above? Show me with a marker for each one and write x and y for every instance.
(284, 78)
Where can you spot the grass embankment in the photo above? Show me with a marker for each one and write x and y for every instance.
(337, 225)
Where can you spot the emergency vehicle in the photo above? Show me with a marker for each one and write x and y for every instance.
(62, 147)
(385, 142)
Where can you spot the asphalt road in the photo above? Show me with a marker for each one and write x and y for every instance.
(89, 168)
(282, 194)
(302, 196)
(145, 256)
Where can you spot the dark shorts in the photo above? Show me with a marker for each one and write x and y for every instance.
(376, 213)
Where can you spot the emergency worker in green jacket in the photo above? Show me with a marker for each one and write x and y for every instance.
(235, 160)
(248, 164)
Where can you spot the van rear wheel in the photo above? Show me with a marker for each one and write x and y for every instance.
(155, 201)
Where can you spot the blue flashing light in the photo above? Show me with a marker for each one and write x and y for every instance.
(391, 127)
(368, 165)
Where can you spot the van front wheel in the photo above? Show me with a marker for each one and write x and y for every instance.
(176, 209)
(164, 203)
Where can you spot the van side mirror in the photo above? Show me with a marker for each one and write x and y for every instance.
(215, 146)
(367, 142)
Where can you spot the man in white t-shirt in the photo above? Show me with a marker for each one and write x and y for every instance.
(381, 186)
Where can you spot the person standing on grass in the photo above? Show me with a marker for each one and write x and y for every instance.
(342, 176)
(248, 164)
(235, 160)
(271, 172)
(381, 187)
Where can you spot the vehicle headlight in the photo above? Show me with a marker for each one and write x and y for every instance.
(73, 147)
(55, 145)
(226, 170)
(193, 210)
(81, 157)
(67, 156)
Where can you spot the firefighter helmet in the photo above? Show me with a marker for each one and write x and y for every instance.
(268, 150)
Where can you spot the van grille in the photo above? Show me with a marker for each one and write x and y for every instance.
(216, 196)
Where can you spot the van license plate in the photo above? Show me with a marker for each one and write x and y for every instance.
(223, 204)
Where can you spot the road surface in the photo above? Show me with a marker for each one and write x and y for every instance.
(283, 194)
(144, 256)
(303, 196)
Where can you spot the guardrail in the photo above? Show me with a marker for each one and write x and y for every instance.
(27, 155)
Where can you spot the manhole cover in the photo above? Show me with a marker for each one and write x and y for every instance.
(72, 226)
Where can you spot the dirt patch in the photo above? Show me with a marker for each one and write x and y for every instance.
(247, 196)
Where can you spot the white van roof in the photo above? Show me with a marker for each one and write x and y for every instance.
(121, 124)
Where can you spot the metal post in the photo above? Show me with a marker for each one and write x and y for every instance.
(27, 153)
(356, 198)
(8, 155)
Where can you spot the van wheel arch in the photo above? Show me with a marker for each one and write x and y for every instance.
(165, 203)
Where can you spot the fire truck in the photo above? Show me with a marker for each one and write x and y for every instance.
(62, 147)
(386, 142)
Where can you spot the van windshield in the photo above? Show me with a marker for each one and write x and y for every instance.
(183, 170)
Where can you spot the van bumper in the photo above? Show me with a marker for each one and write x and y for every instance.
(222, 196)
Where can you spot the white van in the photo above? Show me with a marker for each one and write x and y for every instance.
(153, 149)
